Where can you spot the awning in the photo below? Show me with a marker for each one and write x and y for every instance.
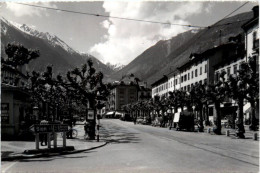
(110, 113)
(118, 113)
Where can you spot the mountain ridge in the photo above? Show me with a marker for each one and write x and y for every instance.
(52, 49)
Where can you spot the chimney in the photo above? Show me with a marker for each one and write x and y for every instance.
(256, 11)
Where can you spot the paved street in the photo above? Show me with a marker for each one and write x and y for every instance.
(141, 148)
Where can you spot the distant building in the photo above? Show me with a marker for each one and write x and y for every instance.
(160, 87)
(144, 93)
(122, 94)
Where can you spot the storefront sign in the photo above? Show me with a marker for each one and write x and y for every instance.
(5, 113)
(47, 128)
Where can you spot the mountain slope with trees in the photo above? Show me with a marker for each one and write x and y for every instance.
(157, 61)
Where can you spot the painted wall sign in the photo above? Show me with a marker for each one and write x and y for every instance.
(5, 113)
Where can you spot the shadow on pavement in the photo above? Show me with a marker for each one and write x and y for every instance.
(119, 135)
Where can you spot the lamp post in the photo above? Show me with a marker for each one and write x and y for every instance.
(36, 113)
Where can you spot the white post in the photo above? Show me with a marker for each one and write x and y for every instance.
(37, 141)
(98, 130)
(255, 136)
(227, 132)
(55, 140)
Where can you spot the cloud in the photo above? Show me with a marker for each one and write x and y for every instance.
(127, 39)
(20, 10)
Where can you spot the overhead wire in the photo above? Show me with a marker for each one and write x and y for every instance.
(108, 16)
(140, 20)
(215, 24)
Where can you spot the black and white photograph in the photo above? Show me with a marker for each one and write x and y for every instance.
(129, 86)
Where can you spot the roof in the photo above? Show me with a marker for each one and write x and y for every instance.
(200, 56)
(7, 87)
(160, 81)
(253, 21)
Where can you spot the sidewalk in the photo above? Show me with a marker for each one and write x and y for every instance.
(232, 132)
(15, 150)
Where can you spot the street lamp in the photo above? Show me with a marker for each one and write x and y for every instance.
(36, 112)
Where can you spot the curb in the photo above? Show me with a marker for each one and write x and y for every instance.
(20, 157)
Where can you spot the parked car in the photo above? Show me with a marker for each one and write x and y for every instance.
(185, 121)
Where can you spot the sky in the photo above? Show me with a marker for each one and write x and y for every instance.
(115, 40)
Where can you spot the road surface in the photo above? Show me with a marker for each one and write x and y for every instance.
(141, 148)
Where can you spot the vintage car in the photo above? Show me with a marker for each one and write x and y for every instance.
(184, 121)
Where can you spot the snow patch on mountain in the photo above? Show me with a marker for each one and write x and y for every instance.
(52, 39)
(115, 67)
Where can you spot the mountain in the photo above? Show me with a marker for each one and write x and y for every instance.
(166, 56)
(52, 49)
(115, 67)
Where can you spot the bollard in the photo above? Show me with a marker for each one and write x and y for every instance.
(37, 141)
(49, 140)
(209, 129)
(255, 136)
(227, 132)
(55, 140)
(64, 139)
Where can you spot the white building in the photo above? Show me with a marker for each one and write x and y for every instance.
(252, 35)
(160, 87)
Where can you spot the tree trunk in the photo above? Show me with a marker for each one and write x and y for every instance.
(253, 118)
(217, 130)
(240, 123)
(201, 128)
(207, 115)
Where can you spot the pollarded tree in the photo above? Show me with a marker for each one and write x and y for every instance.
(239, 88)
(253, 90)
(198, 96)
(18, 55)
(90, 86)
(217, 93)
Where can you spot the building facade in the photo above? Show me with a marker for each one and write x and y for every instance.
(15, 102)
(122, 94)
(160, 87)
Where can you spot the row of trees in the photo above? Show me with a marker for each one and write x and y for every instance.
(77, 91)
(241, 87)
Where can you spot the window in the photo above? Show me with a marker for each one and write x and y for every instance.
(191, 74)
(205, 68)
(200, 70)
(185, 88)
(188, 88)
(188, 76)
(196, 72)
(228, 71)
(185, 77)
(235, 69)
(181, 79)
(205, 81)
(176, 81)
